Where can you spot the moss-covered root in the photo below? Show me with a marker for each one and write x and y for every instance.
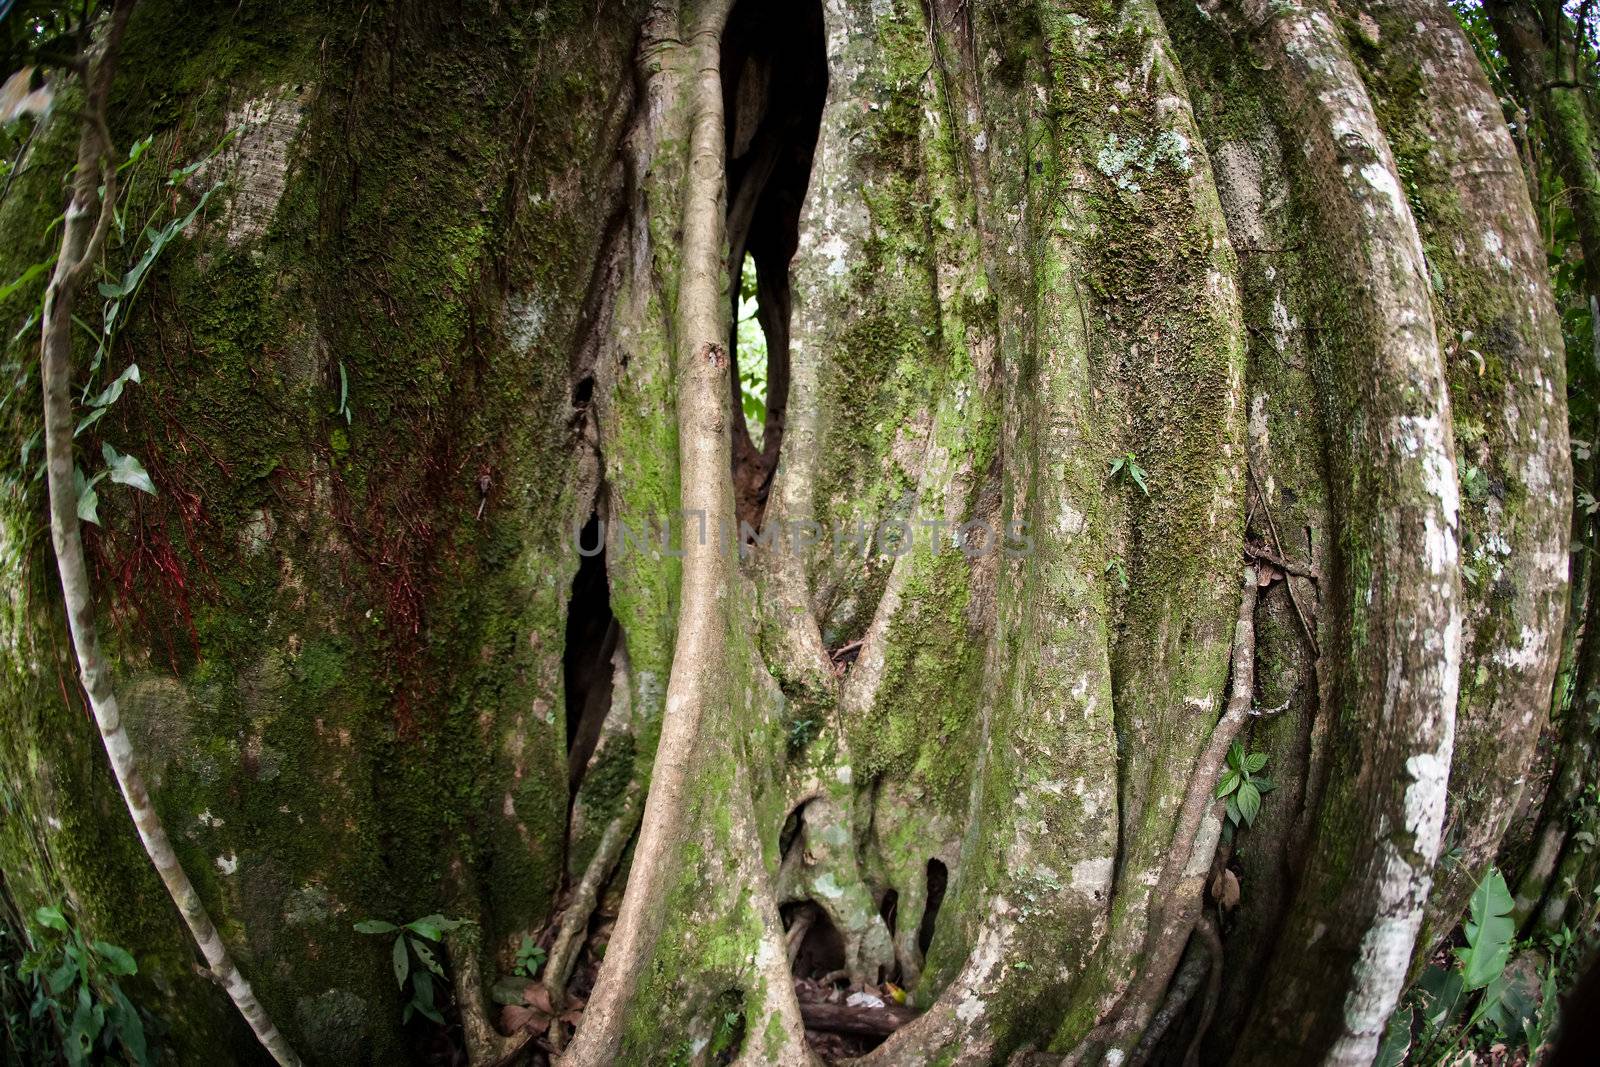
(1501, 335)
(1179, 895)
(486, 1046)
(1173, 395)
(821, 866)
(699, 682)
(1396, 617)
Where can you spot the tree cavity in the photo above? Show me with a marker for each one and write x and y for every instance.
(774, 83)
(591, 640)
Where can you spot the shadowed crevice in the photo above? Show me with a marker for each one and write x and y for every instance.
(774, 84)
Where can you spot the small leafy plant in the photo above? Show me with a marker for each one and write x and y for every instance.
(75, 985)
(1243, 785)
(416, 940)
(1127, 466)
(1489, 932)
(530, 957)
(1481, 997)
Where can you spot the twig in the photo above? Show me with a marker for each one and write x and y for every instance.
(1267, 713)
(1294, 598)
(1302, 570)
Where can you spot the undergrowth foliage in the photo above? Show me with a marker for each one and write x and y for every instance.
(415, 958)
(64, 1000)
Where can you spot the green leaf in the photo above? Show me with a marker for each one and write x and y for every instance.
(118, 960)
(402, 962)
(433, 927)
(88, 499)
(1489, 932)
(1396, 1039)
(126, 470)
(52, 918)
(1441, 991)
(112, 392)
(375, 926)
(1249, 802)
(1255, 761)
(129, 1028)
(24, 278)
(1137, 473)
(1230, 782)
(85, 1028)
(422, 995)
(425, 954)
(62, 978)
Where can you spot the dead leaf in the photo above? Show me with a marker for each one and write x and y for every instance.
(17, 99)
(537, 997)
(514, 1018)
(1225, 889)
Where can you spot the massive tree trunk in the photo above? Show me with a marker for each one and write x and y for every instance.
(471, 588)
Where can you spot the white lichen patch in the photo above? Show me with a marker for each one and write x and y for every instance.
(524, 321)
(1091, 878)
(1122, 160)
(228, 863)
(255, 163)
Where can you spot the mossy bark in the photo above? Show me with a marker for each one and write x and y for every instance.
(467, 289)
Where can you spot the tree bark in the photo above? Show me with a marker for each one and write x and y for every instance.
(1154, 295)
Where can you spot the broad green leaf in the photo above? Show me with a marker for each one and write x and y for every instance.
(61, 979)
(118, 960)
(375, 926)
(422, 996)
(139, 148)
(126, 470)
(130, 1028)
(1256, 761)
(51, 917)
(434, 927)
(1230, 782)
(1489, 932)
(1441, 992)
(402, 962)
(85, 1028)
(1249, 802)
(1138, 476)
(110, 393)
